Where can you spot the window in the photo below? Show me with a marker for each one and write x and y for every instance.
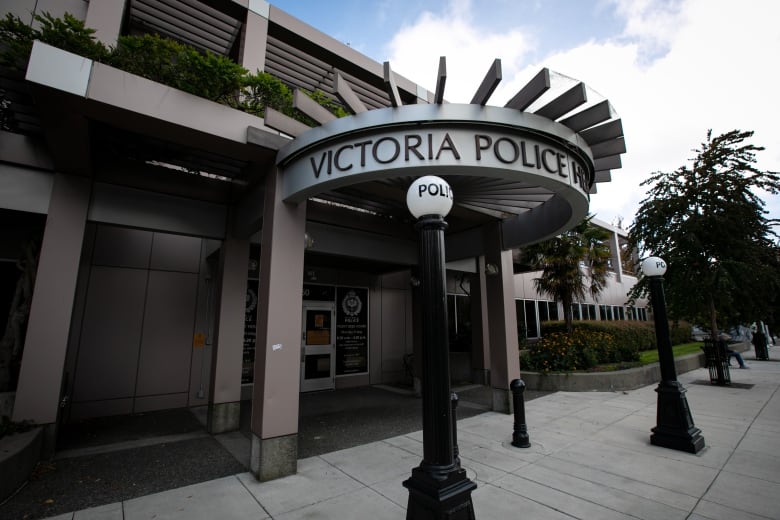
(552, 311)
(544, 314)
(531, 322)
(459, 322)
(531, 314)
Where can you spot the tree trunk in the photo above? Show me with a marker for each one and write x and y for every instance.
(714, 332)
(567, 316)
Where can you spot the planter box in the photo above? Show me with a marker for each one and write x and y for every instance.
(7, 403)
(19, 453)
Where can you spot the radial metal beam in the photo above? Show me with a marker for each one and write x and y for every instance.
(594, 115)
(391, 87)
(311, 108)
(441, 80)
(489, 84)
(605, 132)
(611, 162)
(607, 148)
(347, 95)
(564, 103)
(531, 91)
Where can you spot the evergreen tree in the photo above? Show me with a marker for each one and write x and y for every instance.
(572, 264)
(710, 226)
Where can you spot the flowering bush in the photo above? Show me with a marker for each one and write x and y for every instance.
(581, 350)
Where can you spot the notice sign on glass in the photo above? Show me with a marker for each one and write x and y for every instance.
(351, 330)
(250, 333)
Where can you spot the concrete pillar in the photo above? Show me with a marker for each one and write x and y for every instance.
(225, 403)
(46, 343)
(502, 320)
(617, 264)
(274, 449)
(106, 18)
(254, 36)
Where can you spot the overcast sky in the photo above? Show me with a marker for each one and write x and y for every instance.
(672, 69)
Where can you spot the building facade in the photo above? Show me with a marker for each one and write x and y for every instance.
(179, 266)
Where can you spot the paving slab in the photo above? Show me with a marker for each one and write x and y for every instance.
(316, 480)
(561, 501)
(108, 512)
(374, 462)
(612, 498)
(223, 499)
(357, 505)
(607, 481)
(746, 494)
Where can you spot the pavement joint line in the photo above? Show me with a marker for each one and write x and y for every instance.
(736, 447)
(126, 445)
(243, 484)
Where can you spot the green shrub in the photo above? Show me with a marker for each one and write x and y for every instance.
(581, 350)
(180, 66)
(680, 333)
(633, 335)
(163, 60)
(67, 33)
(261, 89)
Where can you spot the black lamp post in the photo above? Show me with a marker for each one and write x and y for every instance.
(438, 487)
(674, 428)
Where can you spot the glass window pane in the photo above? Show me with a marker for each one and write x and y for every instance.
(520, 310)
(451, 321)
(553, 311)
(530, 319)
(543, 316)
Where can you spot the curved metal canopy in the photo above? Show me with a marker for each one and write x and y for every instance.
(550, 108)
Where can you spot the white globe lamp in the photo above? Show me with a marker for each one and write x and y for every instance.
(653, 266)
(429, 195)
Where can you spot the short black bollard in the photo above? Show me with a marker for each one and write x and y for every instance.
(455, 451)
(520, 435)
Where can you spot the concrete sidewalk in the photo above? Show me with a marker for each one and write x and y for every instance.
(590, 458)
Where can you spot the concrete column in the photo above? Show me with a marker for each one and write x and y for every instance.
(46, 343)
(253, 38)
(106, 18)
(274, 449)
(502, 321)
(617, 265)
(225, 403)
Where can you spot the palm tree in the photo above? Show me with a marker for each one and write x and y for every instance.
(561, 260)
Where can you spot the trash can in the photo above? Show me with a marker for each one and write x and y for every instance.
(760, 345)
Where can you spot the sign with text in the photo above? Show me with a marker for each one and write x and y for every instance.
(250, 333)
(351, 330)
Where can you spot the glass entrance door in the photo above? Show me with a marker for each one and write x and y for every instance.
(318, 348)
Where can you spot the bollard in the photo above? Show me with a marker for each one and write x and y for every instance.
(454, 405)
(520, 435)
